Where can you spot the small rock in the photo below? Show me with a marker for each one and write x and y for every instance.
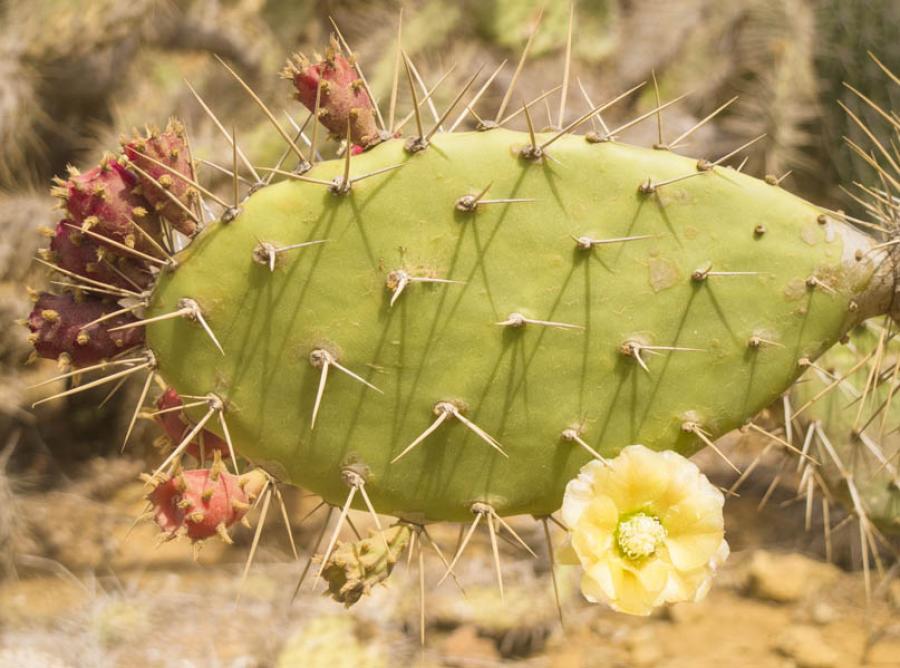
(119, 620)
(571, 657)
(333, 641)
(644, 649)
(465, 643)
(786, 578)
(685, 613)
(822, 613)
(805, 645)
(646, 655)
(24, 656)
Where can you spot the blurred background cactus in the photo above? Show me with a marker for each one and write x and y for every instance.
(75, 73)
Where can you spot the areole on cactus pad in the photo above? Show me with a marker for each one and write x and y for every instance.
(447, 325)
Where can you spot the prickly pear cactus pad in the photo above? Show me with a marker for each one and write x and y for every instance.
(455, 326)
(687, 325)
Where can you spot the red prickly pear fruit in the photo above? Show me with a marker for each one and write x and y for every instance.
(57, 328)
(343, 97)
(176, 426)
(172, 422)
(202, 503)
(79, 253)
(170, 148)
(103, 199)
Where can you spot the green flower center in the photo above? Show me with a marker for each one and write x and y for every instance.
(639, 535)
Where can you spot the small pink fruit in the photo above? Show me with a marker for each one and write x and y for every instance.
(57, 328)
(205, 502)
(103, 199)
(176, 426)
(74, 251)
(170, 148)
(342, 94)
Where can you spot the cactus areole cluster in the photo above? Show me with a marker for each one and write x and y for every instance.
(449, 323)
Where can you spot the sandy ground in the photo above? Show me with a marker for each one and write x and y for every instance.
(89, 593)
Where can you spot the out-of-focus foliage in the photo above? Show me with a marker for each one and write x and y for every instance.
(846, 30)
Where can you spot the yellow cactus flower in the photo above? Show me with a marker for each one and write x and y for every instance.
(647, 529)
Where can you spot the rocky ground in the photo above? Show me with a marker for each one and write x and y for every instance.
(90, 591)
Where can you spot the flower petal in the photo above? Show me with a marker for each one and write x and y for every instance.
(601, 513)
(632, 597)
(580, 491)
(684, 479)
(653, 574)
(600, 580)
(566, 555)
(592, 544)
(638, 478)
(691, 551)
(700, 511)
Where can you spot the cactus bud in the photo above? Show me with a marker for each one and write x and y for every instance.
(355, 567)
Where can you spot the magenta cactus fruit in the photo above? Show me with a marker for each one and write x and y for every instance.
(59, 326)
(342, 94)
(177, 427)
(202, 503)
(160, 157)
(81, 254)
(103, 199)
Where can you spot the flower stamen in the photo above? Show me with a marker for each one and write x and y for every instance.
(639, 536)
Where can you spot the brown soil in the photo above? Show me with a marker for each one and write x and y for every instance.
(89, 593)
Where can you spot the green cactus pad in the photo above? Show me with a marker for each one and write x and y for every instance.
(441, 342)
